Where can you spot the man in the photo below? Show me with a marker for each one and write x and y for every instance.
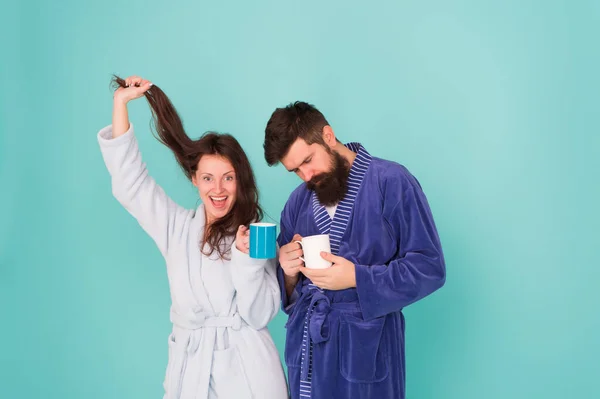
(345, 332)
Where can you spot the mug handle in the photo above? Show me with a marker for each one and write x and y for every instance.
(300, 257)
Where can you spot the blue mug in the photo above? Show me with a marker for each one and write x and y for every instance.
(263, 240)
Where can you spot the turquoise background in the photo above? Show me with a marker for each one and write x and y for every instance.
(492, 105)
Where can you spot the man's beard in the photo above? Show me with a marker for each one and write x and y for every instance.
(330, 187)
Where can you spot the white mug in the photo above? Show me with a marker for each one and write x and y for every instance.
(312, 247)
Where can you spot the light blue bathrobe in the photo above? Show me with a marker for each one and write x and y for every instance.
(219, 345)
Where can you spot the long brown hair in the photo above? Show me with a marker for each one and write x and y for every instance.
(169, 127)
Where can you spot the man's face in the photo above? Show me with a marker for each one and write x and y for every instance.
(324, 170)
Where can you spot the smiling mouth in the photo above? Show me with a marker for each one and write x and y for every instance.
(218, 202)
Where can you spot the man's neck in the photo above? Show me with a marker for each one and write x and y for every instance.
(345, 152)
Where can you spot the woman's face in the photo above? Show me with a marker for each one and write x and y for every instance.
(216, 182)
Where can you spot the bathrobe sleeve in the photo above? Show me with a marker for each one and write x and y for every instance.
(136, 190)
(257, 290)
(419, 268)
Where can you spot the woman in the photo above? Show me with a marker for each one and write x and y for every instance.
(222, 299)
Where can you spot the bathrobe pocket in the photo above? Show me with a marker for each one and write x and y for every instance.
(362, 355)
